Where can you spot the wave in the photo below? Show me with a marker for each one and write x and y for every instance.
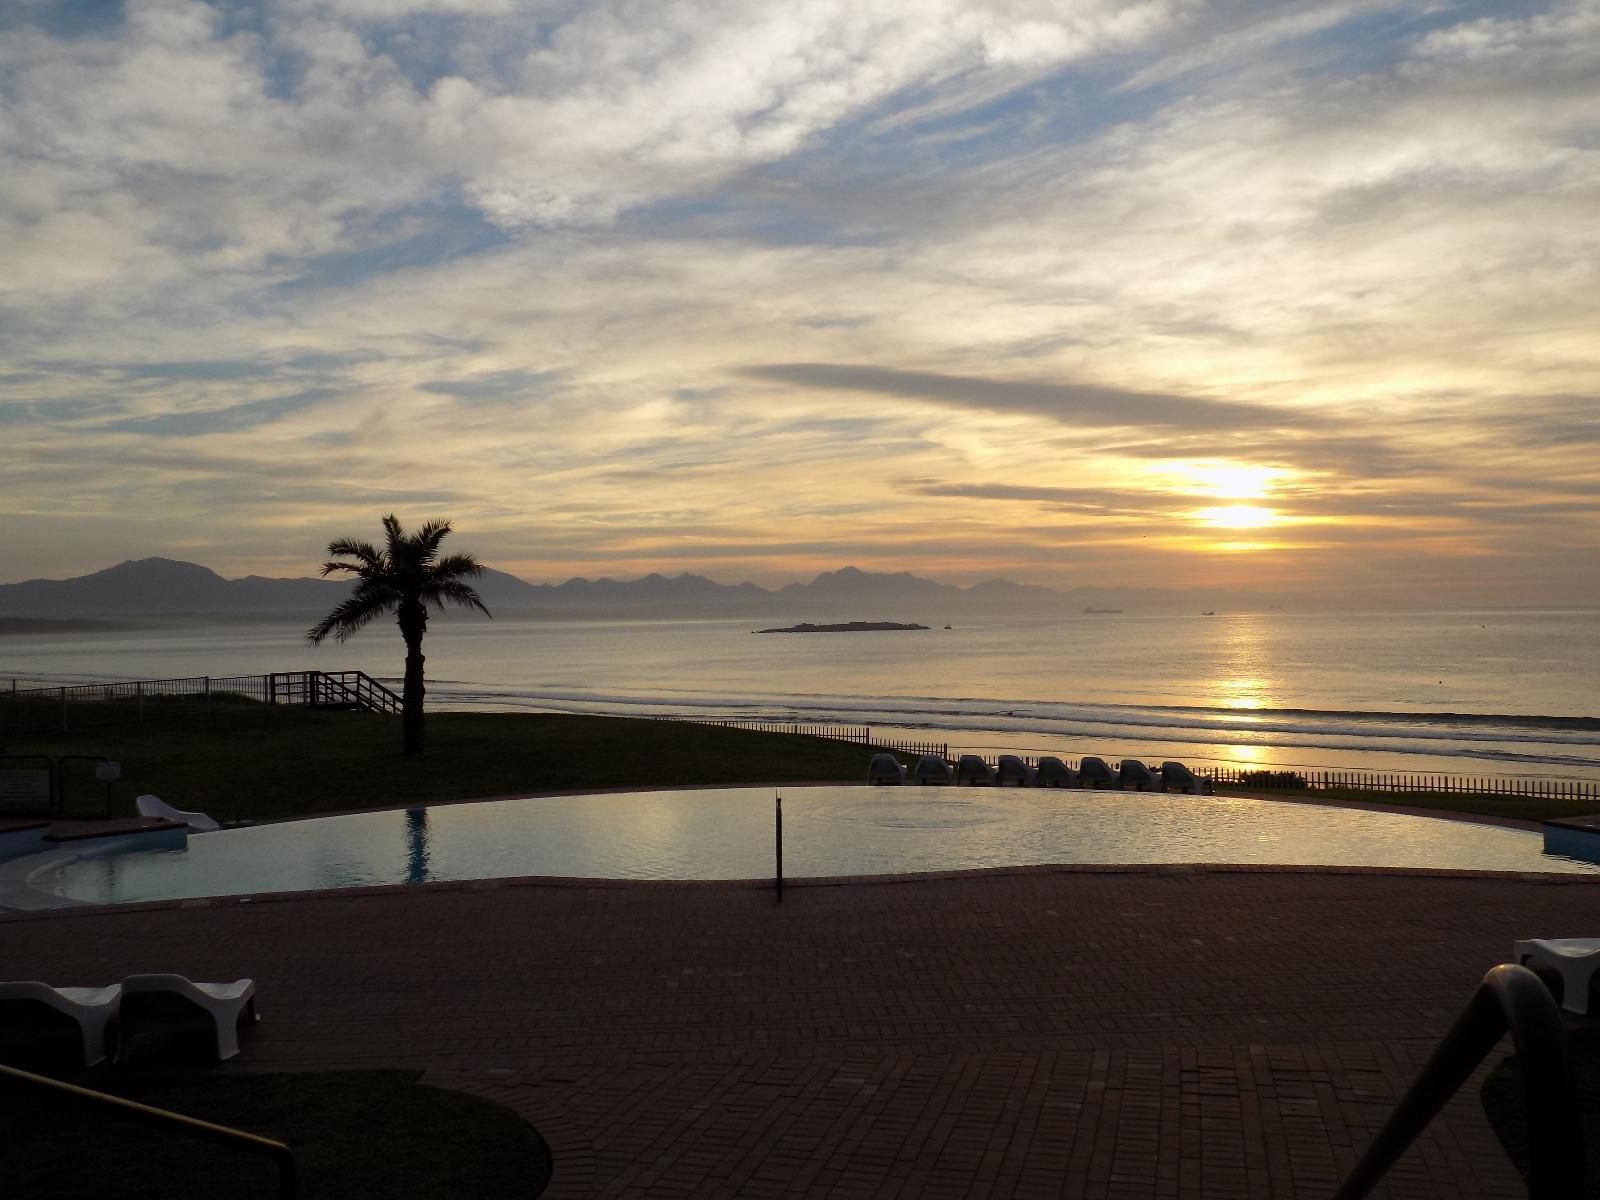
(1553, 741)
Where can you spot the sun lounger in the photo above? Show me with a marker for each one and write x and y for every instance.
(37, 1009)
(1013, 770)
(1175, 777)
(167, 1003)
(931, 769)
(1094, 773)
(885, 768)
(972, 769)
(155, 806)
(1574, 959)
(1055, 773)
(1136, 777)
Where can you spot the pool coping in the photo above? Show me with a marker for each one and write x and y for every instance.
(71, 908)
(1406, 810)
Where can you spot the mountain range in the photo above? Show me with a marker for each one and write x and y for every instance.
(155, 587)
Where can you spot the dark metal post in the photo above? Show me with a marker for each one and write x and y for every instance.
(780, 848)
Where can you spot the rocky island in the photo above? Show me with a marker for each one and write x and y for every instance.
(845, 627)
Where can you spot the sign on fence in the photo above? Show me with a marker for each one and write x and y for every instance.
(107, 772)
(24, 789)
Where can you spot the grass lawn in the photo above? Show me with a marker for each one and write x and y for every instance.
(1502, 1102)
(250, 762)
(1488, 804)
(263, 763)
(355, 1134)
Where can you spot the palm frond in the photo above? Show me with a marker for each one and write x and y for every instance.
(427, 540)
(380, 589)
(449, 591)
(457, 566)
(366, 552)
(350, 616)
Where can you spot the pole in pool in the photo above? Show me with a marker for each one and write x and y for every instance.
(780, 846)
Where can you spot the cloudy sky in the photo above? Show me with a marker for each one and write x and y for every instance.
(1300, 297)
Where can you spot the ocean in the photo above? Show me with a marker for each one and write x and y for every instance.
(1489, 693)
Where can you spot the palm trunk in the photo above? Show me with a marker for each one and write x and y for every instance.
(413, 619)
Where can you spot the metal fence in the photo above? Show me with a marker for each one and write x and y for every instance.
(1261, 779)
(68, 707)
(1379, 781)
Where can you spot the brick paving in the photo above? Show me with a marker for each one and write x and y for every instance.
(1096, 1032)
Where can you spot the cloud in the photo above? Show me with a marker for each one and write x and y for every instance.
(1069, 403)
(751, 282)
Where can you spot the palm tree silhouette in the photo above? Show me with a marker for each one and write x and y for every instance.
(404, 578)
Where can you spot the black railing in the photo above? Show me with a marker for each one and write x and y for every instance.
(135, 701)
(206, 1131)
(332, 689)
(1510, 999)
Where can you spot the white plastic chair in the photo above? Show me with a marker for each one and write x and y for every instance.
(885, 768)
(155, 806)
(172, 1002)
(972, 769)
(90, 1008)
(1135, 776)
(1094, 773)
(931, 769)
(1055, 773)
(1175, 777)
(1013, 770)
(1575, 959)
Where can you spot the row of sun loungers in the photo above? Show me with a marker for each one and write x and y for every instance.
(111, 1018)
(1011, 770)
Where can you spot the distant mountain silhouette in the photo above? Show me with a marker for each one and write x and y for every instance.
(153, 587)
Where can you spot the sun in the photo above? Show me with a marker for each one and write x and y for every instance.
(1237, 481)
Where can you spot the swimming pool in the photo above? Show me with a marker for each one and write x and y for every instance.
(727, 833)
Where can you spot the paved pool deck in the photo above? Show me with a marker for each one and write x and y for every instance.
(1096, 1032)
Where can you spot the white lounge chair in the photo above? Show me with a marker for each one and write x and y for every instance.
(972, 769)
(885, 768)
(1575, 959)
(37, 1007)
(1055, 773)
(155, 806)
(1175, 777)
(1013, 770)
(1135, 776)
(1094, 773)
(931, 769)
(164, 1003)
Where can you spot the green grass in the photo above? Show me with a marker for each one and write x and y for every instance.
(259, 763)
(281, 762)
(1488, 804)
(377, 1134)
(1502, 1103)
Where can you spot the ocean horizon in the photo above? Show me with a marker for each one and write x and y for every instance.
(1504, 693)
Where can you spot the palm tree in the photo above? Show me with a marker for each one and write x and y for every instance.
(404, 578)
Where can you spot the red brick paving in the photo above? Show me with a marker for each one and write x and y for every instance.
(1093, 1032)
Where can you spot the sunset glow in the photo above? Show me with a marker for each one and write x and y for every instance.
(1048, 292)
(1237, 516)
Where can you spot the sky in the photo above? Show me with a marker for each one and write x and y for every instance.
(1301, 298)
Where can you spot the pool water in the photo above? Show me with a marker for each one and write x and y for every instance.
(728, 834)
